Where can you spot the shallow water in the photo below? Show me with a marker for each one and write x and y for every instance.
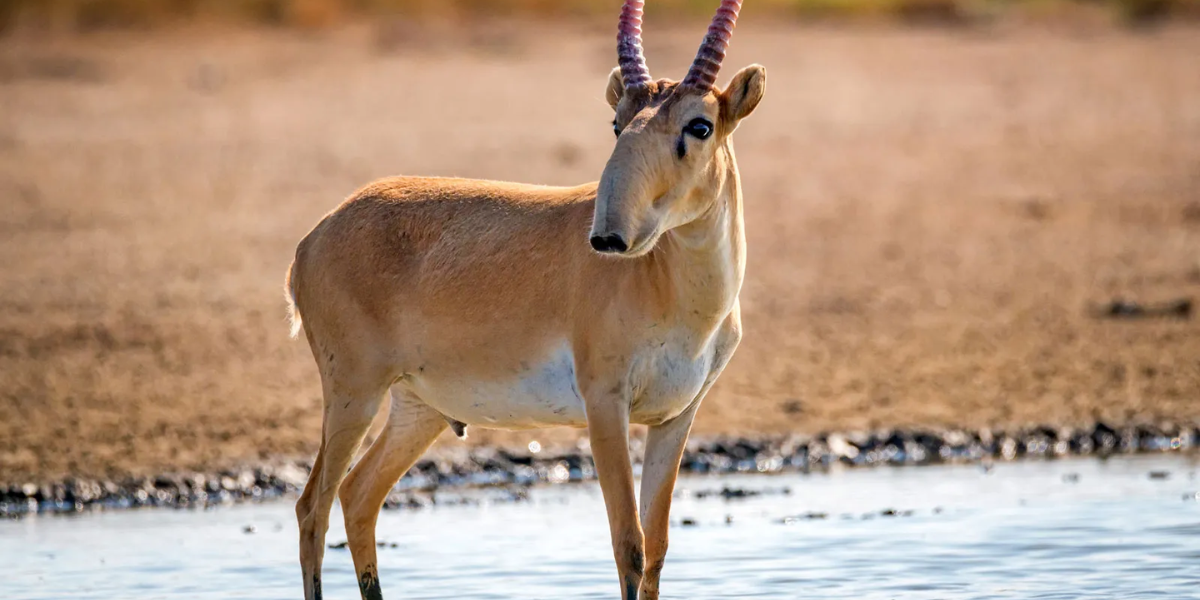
(1062, 529)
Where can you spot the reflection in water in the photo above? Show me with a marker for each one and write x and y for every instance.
(1065, 529)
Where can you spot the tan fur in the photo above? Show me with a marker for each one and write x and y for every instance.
(460, 295)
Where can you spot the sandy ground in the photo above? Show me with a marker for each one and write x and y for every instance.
(930, 215)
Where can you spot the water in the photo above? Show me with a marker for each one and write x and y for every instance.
(1062, 529)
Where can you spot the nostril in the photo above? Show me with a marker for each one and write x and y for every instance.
(608, 243)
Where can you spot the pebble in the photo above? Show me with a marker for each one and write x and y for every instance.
(809, 516)
(510, 473)
(738, 493)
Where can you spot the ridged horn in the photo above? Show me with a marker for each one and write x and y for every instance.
(634, 71)
(703, 73)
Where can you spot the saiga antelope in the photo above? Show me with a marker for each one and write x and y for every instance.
(483, 303)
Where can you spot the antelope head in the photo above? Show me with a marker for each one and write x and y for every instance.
(673, 154)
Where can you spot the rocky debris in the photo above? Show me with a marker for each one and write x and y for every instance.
(506, 474)
(927, 447)
(176, 490)
(809, 516)
(343, 545)
(738, 493)
(1127, 309)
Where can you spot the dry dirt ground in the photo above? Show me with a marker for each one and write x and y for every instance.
(931, 213)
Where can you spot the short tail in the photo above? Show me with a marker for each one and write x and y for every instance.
(290, 294)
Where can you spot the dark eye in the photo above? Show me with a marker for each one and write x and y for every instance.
(699, 128)
(616, 129)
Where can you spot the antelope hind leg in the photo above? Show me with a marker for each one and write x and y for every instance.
(347, 418)
(411, 428)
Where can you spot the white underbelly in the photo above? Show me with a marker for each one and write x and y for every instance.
(537, 393)
(534, 393)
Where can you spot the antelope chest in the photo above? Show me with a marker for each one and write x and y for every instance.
(666, 378)
(543, 391)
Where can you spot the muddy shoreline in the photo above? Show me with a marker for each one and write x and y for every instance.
(511, 471)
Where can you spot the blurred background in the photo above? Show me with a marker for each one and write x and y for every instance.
(960, 213)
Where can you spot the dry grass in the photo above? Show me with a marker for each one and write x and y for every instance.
(930, 215)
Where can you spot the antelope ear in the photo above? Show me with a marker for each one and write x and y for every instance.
(616, 88)
(743, 93)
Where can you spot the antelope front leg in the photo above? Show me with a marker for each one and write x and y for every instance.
(664, 449)
(608, 430)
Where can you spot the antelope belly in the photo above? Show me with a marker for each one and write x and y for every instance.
(534, 393)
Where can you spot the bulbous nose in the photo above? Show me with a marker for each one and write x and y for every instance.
(609, 243)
